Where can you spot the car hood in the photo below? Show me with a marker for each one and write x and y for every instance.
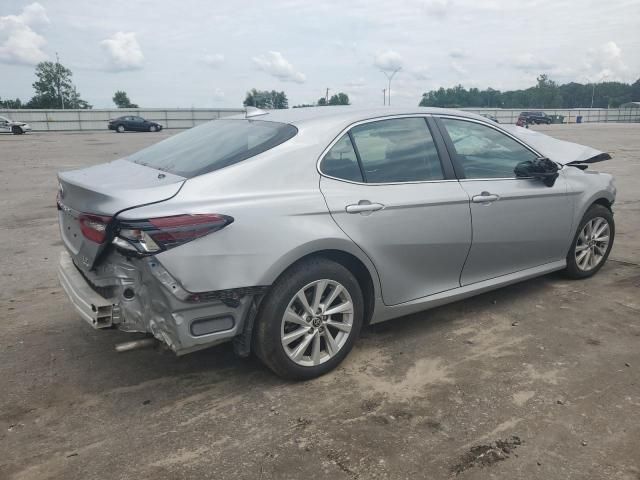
(559, 151)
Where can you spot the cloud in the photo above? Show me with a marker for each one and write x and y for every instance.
(388, 60)
(19, 43)
(214, 61)
(437, 8)
(458, 68)
(277, 66)
(528, 62)
(605, 63)
(357, 84)
(420, 73)
(123, 52)
(458, 54)
(218, 94)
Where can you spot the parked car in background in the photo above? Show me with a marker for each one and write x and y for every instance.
(536, 118)
(287, 231)
(17, 128)
(490, 117)
(132, 123)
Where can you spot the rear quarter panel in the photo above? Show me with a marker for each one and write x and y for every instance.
(279, 216)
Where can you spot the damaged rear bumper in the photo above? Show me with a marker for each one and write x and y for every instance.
(139, 295)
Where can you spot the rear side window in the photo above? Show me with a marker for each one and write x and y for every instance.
(397, 150)
(213, 145)
(341, 161)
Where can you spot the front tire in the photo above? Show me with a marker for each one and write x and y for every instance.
(592, 243)
(120, 129)
(310, 319)
(153, 128)
(16, 130)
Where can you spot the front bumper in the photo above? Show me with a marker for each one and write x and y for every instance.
(127, 294)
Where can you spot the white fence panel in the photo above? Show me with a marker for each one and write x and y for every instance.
(53, 120)
(67, 120)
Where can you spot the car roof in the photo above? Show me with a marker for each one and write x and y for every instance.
(341, 116)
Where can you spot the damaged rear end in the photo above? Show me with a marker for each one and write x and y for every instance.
(110, 271)
(111, 268)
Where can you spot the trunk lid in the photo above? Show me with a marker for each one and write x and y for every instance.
(560, 151)
(97, 194)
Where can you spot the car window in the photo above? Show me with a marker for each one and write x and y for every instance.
(3, 119)
(138, 119)
(341, 161)
(397, 150)
(213, 145)
(484, 152)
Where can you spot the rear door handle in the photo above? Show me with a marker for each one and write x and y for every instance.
(364, 206)
(485, 197)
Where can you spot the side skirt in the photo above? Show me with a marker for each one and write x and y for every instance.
(384, 312)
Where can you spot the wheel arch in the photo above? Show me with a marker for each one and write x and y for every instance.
(362, 269)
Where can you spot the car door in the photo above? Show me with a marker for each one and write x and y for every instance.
(518, 223)
(391, 192)
(127, 122)
(137, 124)
(4, 125)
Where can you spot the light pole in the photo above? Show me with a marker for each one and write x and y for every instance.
(384, 96)
(593, 91)
(390, 77)
(58, 80)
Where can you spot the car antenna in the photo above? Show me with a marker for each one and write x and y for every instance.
(254, 112)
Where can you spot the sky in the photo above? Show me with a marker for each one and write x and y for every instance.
(197, 53)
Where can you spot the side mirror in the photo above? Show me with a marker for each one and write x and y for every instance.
(540, 169)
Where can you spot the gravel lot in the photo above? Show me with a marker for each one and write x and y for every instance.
(537, 380)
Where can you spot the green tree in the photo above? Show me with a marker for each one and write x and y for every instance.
(121, 99)
(339, 99)
(11, 104)
(54, 88)
(322, 102)
(545, 94)
(266, 99)
(635, 91)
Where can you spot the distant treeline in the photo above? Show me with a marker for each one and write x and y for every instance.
(546, 94)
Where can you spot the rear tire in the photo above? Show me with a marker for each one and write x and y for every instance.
(301, 342)
(592, 243)
(120, 129)
(16, 130)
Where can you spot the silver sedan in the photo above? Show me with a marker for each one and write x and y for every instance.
(287, 231)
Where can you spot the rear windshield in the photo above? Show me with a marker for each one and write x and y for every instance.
(213, 145)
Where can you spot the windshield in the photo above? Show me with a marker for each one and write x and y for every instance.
(213, 145)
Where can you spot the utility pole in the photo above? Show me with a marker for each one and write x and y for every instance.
(390, 77)
(58, 80)
(593, 91)
(327, 96)
(384, 96)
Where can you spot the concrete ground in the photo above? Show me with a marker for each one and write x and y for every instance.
(540, 380)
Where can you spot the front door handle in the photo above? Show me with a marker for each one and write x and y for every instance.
(364, 206)
(485, 198)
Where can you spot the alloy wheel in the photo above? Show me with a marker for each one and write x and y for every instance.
(317, 322)
(592, 244)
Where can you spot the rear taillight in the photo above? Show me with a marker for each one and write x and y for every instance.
(157, 234)
(94, 227)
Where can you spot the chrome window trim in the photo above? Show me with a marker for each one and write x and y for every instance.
(371, 120)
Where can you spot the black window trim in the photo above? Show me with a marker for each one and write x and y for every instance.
(452, 151)
(443, 154)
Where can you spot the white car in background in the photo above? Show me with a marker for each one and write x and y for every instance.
(17, 128)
